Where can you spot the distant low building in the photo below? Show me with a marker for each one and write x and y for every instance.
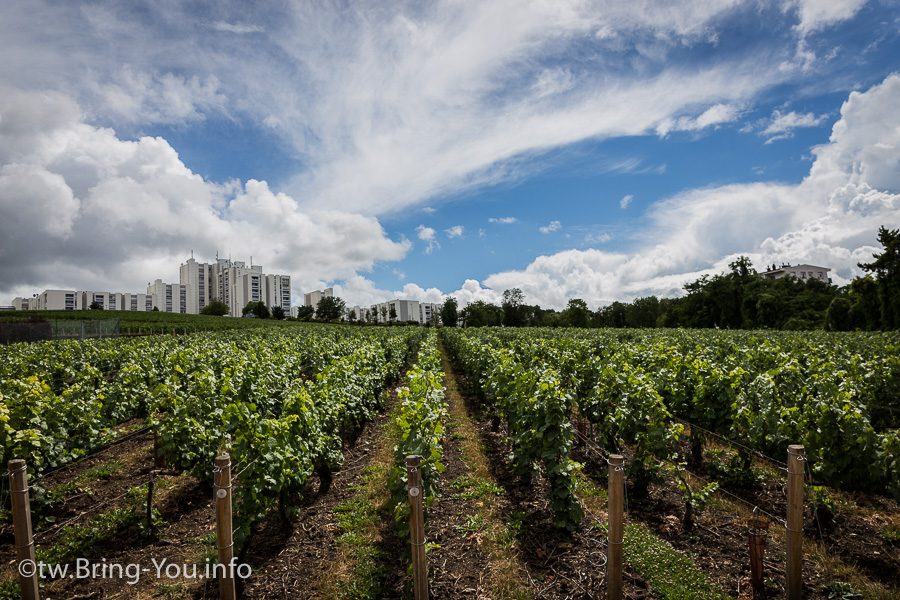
(802, 272)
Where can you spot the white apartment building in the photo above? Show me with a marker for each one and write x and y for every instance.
(105, 300)
(429, 312)
(168, 297)
(55, 300)
(136, 302)
(233, 282)
(802, 272)
(197, 278)
(404, 311)
(277, 291)
(21, 303)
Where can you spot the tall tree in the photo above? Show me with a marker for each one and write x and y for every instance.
(576, 313)
(886, 268)
(513, 308)
(330, 308)
(449, 313)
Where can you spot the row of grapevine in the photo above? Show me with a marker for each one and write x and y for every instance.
(529, 394)
(418, 426)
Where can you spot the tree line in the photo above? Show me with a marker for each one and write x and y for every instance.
(738, 299)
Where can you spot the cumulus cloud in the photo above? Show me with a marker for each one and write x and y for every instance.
(83, 208)
(550, 227)
(503, 220)
(625, 202)
(455, 231)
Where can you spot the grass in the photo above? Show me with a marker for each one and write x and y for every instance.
(669, 573)
(361, 570)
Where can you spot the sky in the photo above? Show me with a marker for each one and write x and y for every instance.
(598, 150)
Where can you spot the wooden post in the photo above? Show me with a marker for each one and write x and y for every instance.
(417, 527)
(616, 526)
(757, 531)
(224, 539)
(21, 509)
(794, 563)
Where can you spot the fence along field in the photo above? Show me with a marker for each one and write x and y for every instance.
(282, 402)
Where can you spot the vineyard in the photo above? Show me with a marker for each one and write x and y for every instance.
(514, 428)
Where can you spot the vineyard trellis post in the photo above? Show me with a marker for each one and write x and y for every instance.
(757, 531)
(417, 527)
(616, 526)
(224, 536)
(794, 564)
(21, 509)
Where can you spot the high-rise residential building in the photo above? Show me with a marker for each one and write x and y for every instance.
(278, 291)
(196, 277)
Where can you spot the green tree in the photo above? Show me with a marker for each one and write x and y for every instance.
(838, 316)
(482, 314)
(886, 268)
(449, 314)
(95, 306)
(865, 307)
(278, 312)
(384, 313)
(305, 313)
(257, 309)
(576, 313)
(216, 308)
(392, 313)
(643, 312)
(513, 306)
(330, 308)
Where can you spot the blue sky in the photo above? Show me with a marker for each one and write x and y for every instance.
(570, 149)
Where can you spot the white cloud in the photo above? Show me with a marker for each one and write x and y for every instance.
(388, 108)
(503, 220)
(819, 14)
(599, 238)
(428, 235)
(239, 28)
(455, 231)
(830, 218)
(550, 227)
(715, 115)
(782, 124)
(83, 208)
(625, 202)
